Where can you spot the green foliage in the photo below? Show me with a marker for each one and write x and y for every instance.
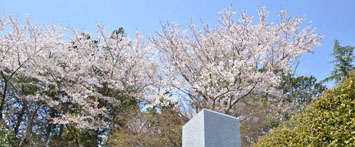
(343, 62)
(118, 34)
(302, 89)
(329, 121)
(263, 113)
(7, 137)
(150, 128)
(259, 117)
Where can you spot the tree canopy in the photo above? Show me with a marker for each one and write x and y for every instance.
(344, 61)
(218, 67)
(91, 90)
(329, 121)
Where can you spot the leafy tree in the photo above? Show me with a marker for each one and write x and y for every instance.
(302, 89)
(261, 114)
(150, 128)
(329, 121)
(258, 117)
(343, 63)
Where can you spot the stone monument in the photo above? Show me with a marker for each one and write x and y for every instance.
(211, 129)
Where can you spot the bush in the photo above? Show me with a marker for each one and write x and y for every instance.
(7, 137)
(329, 121)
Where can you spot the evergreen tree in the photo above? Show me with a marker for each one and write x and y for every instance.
(343, 62)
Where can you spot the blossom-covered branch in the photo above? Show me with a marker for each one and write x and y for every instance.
(216, 68)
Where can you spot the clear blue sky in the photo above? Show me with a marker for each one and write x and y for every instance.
(335, 19)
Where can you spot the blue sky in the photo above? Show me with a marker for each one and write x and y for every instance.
(334, 19)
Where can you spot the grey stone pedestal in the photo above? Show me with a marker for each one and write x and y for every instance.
(211, 129)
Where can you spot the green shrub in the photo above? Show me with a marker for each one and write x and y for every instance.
(329, 121)
(7, 137)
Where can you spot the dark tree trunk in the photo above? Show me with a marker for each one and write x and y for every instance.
(20, 117)
(48, 132)
(3, 100)
(96, 138)
(61, 129)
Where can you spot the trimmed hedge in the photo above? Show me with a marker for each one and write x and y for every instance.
(329, 121)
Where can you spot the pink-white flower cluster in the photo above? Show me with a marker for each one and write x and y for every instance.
(212, 68)
(68, 72)
(216, 68)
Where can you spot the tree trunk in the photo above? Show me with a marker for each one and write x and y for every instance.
(61, 130)
(3, 100)
(29, 124)
(20, 117)
(48, 133)
(95, 138)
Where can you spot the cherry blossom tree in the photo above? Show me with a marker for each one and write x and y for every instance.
(18, 48)
(78, 66)
(52, 84)
(66, 75)
(217, 68)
